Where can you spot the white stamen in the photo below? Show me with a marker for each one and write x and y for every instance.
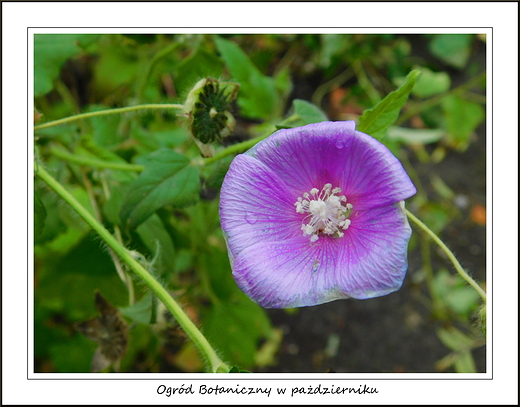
(327, 212)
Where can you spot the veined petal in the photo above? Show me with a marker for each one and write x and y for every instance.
(369, 262)
(255, 206)
(334, 152)
(375, 250)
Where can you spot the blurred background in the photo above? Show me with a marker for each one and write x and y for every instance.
(430, 325)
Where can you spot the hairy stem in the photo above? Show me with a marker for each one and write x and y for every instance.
(120, 110)
(186, 324)
(450, 255)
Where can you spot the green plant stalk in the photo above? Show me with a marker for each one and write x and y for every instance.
(120, 110)
(186, 324)
(92, 162)
(235, 149)
(450, 255)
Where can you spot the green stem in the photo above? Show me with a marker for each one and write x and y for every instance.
(120, 110)
(235, 148)
(186, 324)
(92, 162)
(450, 255)
(437, 99)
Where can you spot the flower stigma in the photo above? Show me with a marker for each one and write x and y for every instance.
(327, 212)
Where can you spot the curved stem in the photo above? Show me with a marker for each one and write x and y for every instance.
(107, 112)
(450, 255)
(92, 162)
(186, 324)
(235, 149)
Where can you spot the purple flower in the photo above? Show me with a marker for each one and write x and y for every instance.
(315, 214)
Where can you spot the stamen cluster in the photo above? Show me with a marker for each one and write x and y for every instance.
(327, 212)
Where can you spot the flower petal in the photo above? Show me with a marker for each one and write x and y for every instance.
(334, 152)
(255, 206)
(369, 261)
(375, 250)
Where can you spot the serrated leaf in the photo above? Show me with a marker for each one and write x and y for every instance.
(304, 113)
(377, 120)
(257, 97)
(168, 179)
(50, 53)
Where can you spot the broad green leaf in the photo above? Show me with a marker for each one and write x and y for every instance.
(377, 120)
(73, 355)
(455, 293)
(257, 97)
(201, 64)
(168, 179)
(429, 83)
(236, 328)
(50, 53)
(462, 118)
(304, 113)
(453, 49)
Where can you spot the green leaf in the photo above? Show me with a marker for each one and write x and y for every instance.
(257, 96)
(235, 329)
(141, 311)
(201, 64)
(462, 118)
(168, 179)
(50, 53)
(377, 120)
(465, 363)
(431, 83)
(414, 136)
(236, 369)
(453, 49)
(304, 113)
(155, 237)
(454, 292)
(454, 339)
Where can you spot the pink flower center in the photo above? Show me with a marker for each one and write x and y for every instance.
(327, 212)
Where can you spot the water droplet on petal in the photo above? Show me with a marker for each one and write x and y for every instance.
(340, 144)
(250, 218)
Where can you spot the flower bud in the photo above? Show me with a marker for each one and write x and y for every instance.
(207, 108)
